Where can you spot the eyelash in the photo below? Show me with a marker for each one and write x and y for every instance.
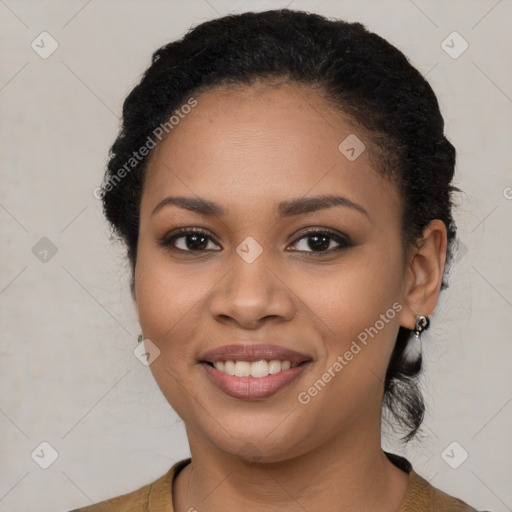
(343, 240)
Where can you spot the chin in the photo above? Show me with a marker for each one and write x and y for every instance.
(258, 447)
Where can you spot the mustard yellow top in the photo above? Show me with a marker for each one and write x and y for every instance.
(157, 496)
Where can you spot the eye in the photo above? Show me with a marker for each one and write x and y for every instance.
(195, 240)
(319, 240)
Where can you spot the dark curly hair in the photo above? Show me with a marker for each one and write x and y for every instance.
(358, 72)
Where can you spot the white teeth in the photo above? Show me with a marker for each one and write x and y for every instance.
(274, 366)
(259, 369)
(255, 369)
(229, 368)
(242, 369)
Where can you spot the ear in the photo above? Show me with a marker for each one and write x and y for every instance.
(424, 273)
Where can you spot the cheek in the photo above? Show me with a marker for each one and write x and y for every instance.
(354, 294)
(357, 308)
(171, 302)
(169, 306)
(358, 318)
(168, 296)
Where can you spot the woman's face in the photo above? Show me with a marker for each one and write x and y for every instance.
(255, 276)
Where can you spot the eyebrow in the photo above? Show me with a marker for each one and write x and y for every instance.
(288, 208)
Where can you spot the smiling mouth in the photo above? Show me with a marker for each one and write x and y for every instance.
(256, 369)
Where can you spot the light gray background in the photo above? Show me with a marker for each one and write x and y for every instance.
(68, 325)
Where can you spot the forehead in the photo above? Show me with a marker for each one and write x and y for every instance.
(264, 142)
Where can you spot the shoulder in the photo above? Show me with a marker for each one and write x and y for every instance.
(156, 495)
(130, 502)
(421, 496)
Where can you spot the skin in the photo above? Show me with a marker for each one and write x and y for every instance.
(248, 148)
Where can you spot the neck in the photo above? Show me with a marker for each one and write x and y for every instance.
(350, 471)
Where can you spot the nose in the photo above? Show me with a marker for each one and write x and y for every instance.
(251, 294)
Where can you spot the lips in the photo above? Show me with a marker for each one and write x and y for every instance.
(288, 365)
(253, 353)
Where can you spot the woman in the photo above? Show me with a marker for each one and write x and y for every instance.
(283, 186)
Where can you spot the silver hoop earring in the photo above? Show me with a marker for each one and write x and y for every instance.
(412, 351)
